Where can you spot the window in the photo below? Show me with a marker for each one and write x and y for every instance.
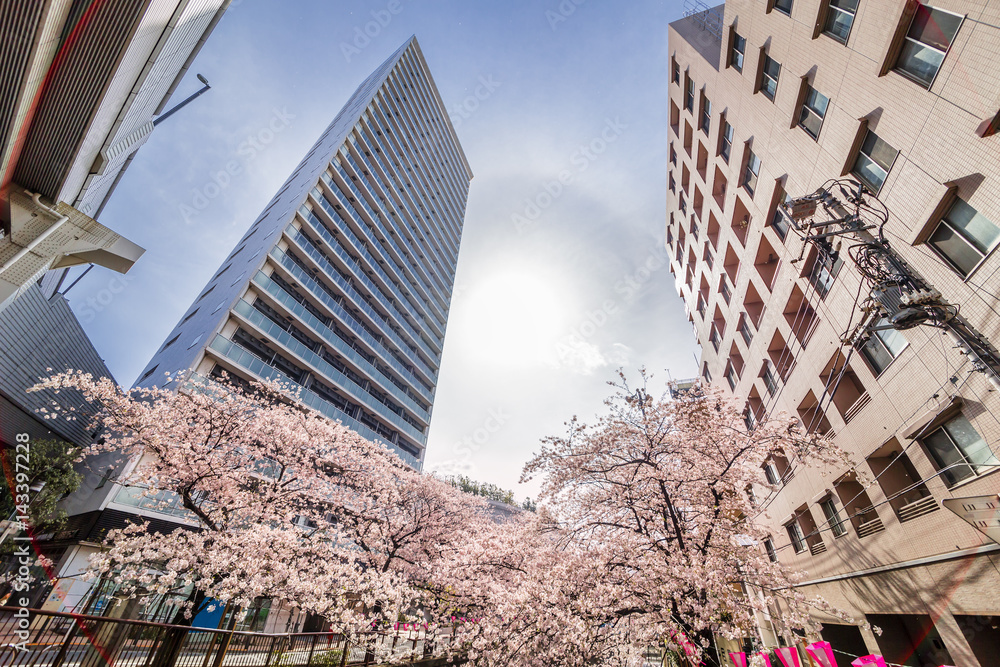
(732, 376)
(688, 94)
(780, 223)
(675, 71)
(190, 315)
(771, 472)
(145, 376)
(795, 535)
(964, 237)
(673, 154)
(959, 452)
(706, 374)
(726, 146)
(683, 204)
(673, 184)
(739, 48)
(784, 6)
(197, 339)
(205, 293)
(882, 347)
(770, 378)
(170, 342)
(840, 18)
(772, 555)
(715, 338)
(813, 112)
(744, 328)
(769, 82)
(833, 517)
(874, 161)
(706, 115)
(751, 173)
(927, 41)
(824, 272)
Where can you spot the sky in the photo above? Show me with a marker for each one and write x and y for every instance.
(560, 106)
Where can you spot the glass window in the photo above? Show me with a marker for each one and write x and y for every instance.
(739, 48)
(780, 222)
(732, 376)
(751, 173)
(874, 161)
(770, 379)
(959, 452)
(673, 184)
(675, 72)
(769, 82)
(673, 154)
(772, 555)
(833, 517)
(840, 18)
(727, 141)
(783, 6)
(882, 347)
(689, 95)
(823, 273)
(927, 41)
(705, 374)
(795, 535)
(813, 112)
(706, 115)
(745, 330)
(964, 237)
(771, 472)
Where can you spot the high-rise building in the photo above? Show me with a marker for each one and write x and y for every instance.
(341, 287)
(773, 101)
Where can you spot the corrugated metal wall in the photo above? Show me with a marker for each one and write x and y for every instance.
(36, 334)
(75, 87)
(18, 26)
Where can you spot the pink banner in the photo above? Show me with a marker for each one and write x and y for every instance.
(876, 660)
(822, 653)
(766, 657)
(788, 656)
(739, 659)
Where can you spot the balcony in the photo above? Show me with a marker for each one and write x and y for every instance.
(917, 508)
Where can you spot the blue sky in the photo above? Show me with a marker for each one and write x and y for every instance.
(559, 282)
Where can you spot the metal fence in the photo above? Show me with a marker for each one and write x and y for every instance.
(34, 638)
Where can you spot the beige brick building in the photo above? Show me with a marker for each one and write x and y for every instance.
(773, 98)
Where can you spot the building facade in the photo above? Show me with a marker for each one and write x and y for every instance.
(342, 286)
(768, 101)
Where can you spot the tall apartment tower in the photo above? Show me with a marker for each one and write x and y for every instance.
(342, 286)
(768, 101)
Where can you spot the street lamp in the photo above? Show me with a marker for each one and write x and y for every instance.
(177, 108)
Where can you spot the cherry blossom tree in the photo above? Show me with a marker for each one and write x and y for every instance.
(648, 537)
(281, 501)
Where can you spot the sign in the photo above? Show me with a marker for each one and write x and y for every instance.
(980, 512)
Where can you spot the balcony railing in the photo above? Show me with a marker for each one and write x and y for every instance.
(917, 508)
(250, 363)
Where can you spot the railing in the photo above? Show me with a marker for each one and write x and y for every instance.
(857, 406)
(871, 526)
(917, 508)
(54, 639)
(708, 19)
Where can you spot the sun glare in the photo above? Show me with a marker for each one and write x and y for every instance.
(513, 317)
